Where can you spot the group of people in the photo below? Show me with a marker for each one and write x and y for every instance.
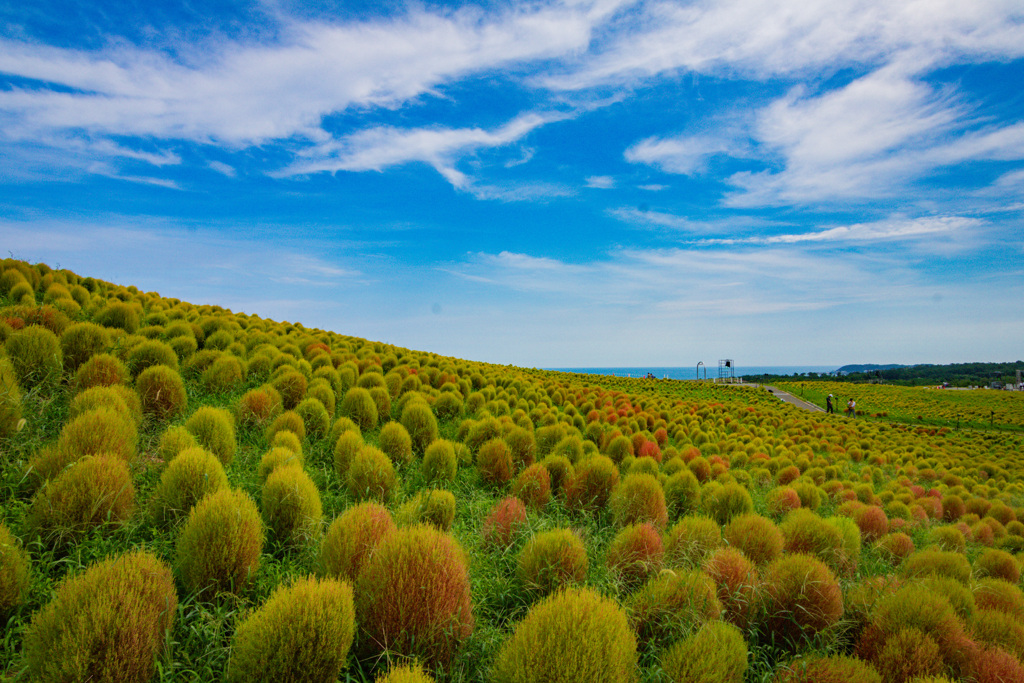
(851, 406)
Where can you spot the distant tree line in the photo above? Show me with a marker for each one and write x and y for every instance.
(955, 374)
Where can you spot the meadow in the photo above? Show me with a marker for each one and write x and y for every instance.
(192, 494)
(976, 408)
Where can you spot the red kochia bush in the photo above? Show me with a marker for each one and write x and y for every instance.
(834, 669)
(413, 596)
(800, 597)
(736, 579)
(494, 460)
(505, 522)
(635, 553)
(352, 537)
(533, 486)
(592, 483)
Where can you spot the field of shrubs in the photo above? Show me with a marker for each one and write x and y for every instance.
(191, 494)
(977, 408)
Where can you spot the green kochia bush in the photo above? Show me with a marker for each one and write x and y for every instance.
(429, 507)
(439, 463)
(671, 606)
(301, 634)
(35, 356)
(834, 669)
(95, 490)
(421, 424)
(396, 443)
(101, 370)
(358, 406)
(371, 475)
(552, 559)
(352, 537)
(162, 392)
(149, 353)
(573, 636)
(14, 572)
(10, 399)
(219, 546)
(214, 429)
(80, 341)
(107, 624)
(800, 597)
(291, 506)
(413, 596)
(315, 418)
(715, 654)
(191, 475)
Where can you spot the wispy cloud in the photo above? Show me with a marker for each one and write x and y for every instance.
(880, 231)
(601, 182)
(378, 148)
(686, 155)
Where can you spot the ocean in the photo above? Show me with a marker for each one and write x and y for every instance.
(712, 371)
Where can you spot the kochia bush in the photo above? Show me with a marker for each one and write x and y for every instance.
(396, 443)
(494, 461)
(671, 606)
(358, 406)
(635, 553)
(690, 541)
(214, 429)
(101, 370)
(533, 486)
(303, 632)
(162, 392)
(218, 548)
(756, 536)
(191, 475)
(591, 484)
(421, 424)
(573, 636)
(14, 572)
(551, 560)
(35, 356)
(639, 498)
(108, 623)
(352, 537)
(834, 669)
(413, 596)
(505, 522)
(315, 418)
(715, 654)
(800, 597)
(371, 475)
(439, 462)
(291, 506)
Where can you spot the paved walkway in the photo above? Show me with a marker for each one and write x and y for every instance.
(790, 398)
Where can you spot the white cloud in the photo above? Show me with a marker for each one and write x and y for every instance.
(792, 37)
(889, 230)
(686, 155)
(601, 182)
(221, 167)
(378, 148)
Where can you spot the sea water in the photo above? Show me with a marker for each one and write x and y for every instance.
(712, 371)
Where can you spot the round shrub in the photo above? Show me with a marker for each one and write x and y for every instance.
(95, 490)
(257, 407)
(35, 355)
(340, 426)
(116, 398)
(190, 476)
(358, 406)
(559, 469)
(101, 370)
(162, 392)
(429, 507)
(805, 532)
(291, 507)
(551, 560)
(523, 446)
(413, 596)
(834, 669)
(717, 653)
(999, 595)
(406, 673)
(639, 498)
(218, 548)
(288, 421)
(533, 486)
(278, 456)
(494, 462)
(101, 430)
(997, 564)
(671, 606)
(151, 352)
(756, 536)
(14, 572)
(120, 315)
(315, 418)
(10, 399)
(782, 500)
(592, 483)
(371, 475)
(421, 424)
(800, 597)
(948, 538)
(993, 665)
(352, 537)
(302, 633)
(291, 385)
(895, 547)
(439, 462)
(619, 448)
(690, 541)
(933, 562)
(225, 374)
(872, 522)
(723, 502)
(573, 636)
(737, 581)
(173, 441)
(505, 522)
(909, 653)
(81, 341)
(449, 406)
(682, 493)
(345, 450)
(214, 430)
(396, 443)
(635, 553)
(994, 627)
(913, 607)
(108, 623)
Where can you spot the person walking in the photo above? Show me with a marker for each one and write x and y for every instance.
(828, 405)
(851, 407)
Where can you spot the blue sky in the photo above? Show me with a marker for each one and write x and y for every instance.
(553, 184)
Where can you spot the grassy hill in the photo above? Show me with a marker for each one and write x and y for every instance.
(234, 496)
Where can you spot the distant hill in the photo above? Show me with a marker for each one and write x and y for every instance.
(869, 367)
